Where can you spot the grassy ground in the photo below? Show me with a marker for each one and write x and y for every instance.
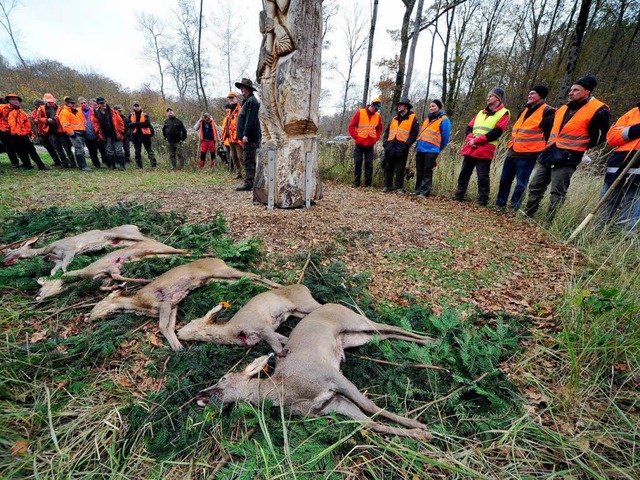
(537, 397)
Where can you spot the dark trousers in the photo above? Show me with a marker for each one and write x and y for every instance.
(363, 154)
(25, 150)
(482, 167)
(520, 169)
(559, 177)
(425, 163)
(11, 152)
(94, 147)
(395, 165)
(126, 145)
(175, 150)
(62, 145)
(623, 204)
(138, 142)
(249, 150)
(46, 143)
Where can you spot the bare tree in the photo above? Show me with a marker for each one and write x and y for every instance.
(7, 7)
(355, 39)
(187, 39)
(204, 95)
(412, 49)
(152, 28)
(180, 69)
(372, 31)
(404, 46)
(227, 43)
(574, 50)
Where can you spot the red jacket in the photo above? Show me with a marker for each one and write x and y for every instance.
(485, 144)
(353, 129)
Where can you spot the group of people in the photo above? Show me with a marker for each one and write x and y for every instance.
(546, 146)
(64, 131)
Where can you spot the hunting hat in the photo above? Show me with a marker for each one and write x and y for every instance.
(246, 82)
(232, 95)
(136, 104)
(100, 100)
(588, 82)
(12, 95)
(405, 101)
(69, 99)
(498, 93)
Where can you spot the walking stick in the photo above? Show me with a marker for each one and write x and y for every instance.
(605, 197)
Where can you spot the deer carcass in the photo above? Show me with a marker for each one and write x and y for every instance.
(62, 251)
(308, 380)
(256, 321)
(161, 297)
(109, 267)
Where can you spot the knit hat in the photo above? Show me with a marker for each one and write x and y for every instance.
(588, 82)
(437, 102)
(169, 109)
(498, 92)
(49, 98)
(540, 90)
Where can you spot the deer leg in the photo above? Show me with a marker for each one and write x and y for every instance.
(168, 315)
(344, 406)
(274, 340)
(350, 391)
(120, 278)
(383, 328)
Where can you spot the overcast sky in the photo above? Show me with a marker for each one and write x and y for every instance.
(102, 35)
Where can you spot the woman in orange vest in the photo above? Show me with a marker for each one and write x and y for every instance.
(483, 133)
(624, 136)
(579, 125)
(21, 133)
(434, 136)
(401, 133)
(529, 136)
(365, 128)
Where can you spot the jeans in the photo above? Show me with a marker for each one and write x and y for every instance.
(520, 169)
(360, 154)
(425, 162)
(626, 198)
(482, 167)
(559, 177)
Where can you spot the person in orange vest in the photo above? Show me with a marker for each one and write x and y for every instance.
(365, 128)
(579, 125)
(141, 133)
(401, 133)
(5, 133)
(529, 136)
(624, 202)
(230, 133)
(73, 124)
(208, 131)
(21, 133)
(49, 126)
(483, 132)
(44, 140)
(434, 136)
(109, 128)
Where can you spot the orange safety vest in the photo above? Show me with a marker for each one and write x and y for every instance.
(70, 121)
(214, 127)
(19, 123)
(430, 131)
(614, 136)
(367, 125)
(574, 135)
(4, 121)
(144, 130)
(230, 127)
(484, 123)
(527, 136)
(402, 130)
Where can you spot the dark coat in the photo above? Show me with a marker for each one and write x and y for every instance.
(174, 130)
(248, 123)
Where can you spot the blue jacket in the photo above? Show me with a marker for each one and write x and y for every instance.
(445, 132)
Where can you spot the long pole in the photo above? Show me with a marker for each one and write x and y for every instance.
(605, 197)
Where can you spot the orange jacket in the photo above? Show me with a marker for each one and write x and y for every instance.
(72, 121)
(118, 125)
(574, 135)
(19, 123)
(4, 121)
(615, 136)
(230, 126)
(526, 135)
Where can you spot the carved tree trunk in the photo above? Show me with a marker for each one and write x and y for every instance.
(289, 77)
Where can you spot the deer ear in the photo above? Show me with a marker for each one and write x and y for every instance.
(29, 242)
(257, 366)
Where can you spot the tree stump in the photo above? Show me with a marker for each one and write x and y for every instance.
(289, 77)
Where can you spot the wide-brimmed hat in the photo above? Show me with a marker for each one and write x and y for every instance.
(246, 82)
(405, 101)
(12, 95)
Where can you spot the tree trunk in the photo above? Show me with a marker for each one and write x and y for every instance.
(204, 95)
(404, 46)
(445, 60)
(367, 75)
(412, 50)
(426, 96)
(6, 24)
(574, 50)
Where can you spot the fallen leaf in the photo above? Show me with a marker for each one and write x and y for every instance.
(20, 447)
(153, 338)
(36, 337)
